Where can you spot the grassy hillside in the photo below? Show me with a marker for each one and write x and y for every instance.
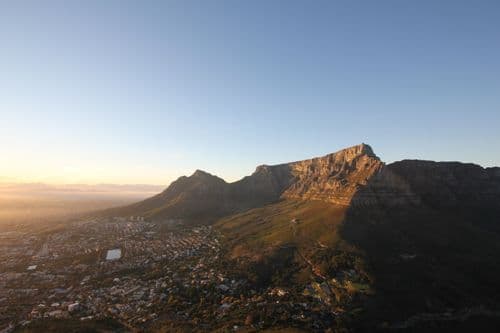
(305, 225)
(413, 261)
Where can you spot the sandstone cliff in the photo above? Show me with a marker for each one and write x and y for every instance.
(352, 176)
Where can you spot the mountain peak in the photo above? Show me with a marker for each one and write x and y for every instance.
(201, 173)
(365, 149)
(358, 150)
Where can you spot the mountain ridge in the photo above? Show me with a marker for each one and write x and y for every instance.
(351, 176)
(205, 196)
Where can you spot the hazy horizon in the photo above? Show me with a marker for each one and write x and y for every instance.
(36, 204)
(5, 181)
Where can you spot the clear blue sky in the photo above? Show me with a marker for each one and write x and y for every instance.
(145, 91)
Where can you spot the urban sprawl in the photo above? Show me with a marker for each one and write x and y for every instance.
(140, 274)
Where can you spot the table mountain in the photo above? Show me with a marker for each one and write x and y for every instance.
(353, 176)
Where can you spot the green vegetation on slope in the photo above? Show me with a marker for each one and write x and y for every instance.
(293, 243)
(301, 224)
(386, 264)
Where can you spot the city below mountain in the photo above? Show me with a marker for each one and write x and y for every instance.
(339, 243)
(412, 244)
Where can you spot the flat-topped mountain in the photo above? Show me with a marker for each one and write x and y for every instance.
(353, 176)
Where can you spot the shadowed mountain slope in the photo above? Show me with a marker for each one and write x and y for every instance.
(202, 197)
(448, 184)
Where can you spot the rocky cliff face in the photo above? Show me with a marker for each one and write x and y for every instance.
(335, 177)
(353, 176)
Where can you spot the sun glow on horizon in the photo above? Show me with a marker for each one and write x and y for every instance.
(52, 172)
